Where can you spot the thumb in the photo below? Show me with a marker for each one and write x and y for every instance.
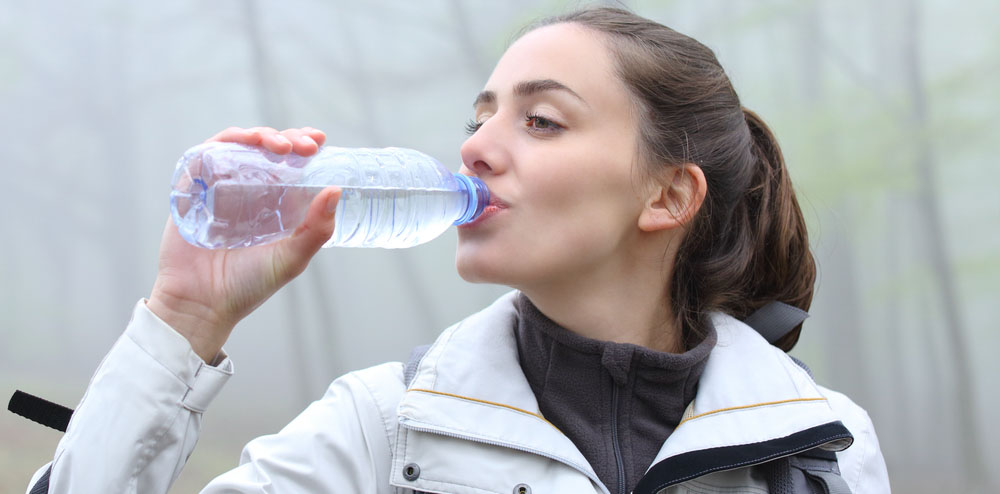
(314, 231)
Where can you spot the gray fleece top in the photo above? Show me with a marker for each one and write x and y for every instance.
(617, 402)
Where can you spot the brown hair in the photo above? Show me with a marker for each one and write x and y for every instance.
(747, 245)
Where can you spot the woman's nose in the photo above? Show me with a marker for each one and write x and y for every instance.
(478, 167)
(483, 152)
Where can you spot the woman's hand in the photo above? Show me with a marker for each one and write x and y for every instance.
(203, 293)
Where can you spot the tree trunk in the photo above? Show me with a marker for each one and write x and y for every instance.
(930, 211)
(362, 83)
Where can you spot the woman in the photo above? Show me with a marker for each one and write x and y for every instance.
(639, 212)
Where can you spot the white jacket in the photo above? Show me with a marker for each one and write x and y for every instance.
(468, 423)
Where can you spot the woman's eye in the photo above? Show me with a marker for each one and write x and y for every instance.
(541, 123)
(472, 126)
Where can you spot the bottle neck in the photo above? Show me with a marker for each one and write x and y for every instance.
(478, 196)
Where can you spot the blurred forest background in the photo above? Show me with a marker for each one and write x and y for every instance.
(887, 112)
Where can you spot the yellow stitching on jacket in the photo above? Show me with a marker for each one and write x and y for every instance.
(481, 401)
(749, 406)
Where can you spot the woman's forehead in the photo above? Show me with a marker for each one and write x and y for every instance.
(573, 55)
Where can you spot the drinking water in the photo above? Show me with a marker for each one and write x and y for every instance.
(228, 195)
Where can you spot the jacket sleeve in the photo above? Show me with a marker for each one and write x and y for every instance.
(340, 443)
(862, 464)
(140, 417)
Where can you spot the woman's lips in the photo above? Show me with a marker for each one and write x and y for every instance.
(495, 207)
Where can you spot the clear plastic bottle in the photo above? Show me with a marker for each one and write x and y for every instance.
(228, 195)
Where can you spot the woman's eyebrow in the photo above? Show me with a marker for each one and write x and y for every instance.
(484, 98)
(527, 88)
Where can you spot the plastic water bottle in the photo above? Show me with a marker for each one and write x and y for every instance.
(228, 195)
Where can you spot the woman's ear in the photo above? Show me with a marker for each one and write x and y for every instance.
(674, 200)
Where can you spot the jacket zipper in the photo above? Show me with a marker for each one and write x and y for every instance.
(434, 430)
(614, 439)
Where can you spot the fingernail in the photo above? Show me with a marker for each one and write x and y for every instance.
(282, 139)
(307, 140)
(331, 205)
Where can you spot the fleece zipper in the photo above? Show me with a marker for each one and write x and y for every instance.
(614, 439)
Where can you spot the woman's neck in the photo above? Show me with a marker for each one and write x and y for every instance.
(619, 304)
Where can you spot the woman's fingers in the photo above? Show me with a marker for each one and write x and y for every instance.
(293, 253)
(305, 141)
(251, 137)
(317, 135)
(302, 142)
(272, 140)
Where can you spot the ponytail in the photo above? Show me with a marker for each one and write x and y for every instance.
(748, 246)
(783, 268)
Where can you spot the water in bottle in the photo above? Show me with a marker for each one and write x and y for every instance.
(228, 195)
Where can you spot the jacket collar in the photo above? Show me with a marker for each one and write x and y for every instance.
(746, 381)
(469, 384)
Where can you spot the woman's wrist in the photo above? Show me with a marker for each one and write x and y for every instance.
(205, 332)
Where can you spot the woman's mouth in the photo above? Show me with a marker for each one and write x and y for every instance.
(495, 207)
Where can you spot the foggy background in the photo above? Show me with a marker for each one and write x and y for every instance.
(886, 110)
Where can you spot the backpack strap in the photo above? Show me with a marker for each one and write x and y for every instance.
(42, 484)
(810, 472)
(38, 410)
(821, 471)
(410, 370)
(775, 320)
(46, 413)
(815, 471)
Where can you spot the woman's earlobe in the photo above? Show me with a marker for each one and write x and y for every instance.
(674, 202)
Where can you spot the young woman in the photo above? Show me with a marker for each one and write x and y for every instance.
(639, 212)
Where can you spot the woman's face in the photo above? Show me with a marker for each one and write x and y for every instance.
(556, 144)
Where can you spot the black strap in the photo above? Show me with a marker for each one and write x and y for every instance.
(42, 485)
(810, 472)
(823, 474)
(42, 411)
(775, 320)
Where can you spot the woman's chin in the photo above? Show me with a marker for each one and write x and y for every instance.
(472, 272)
(475, 267)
